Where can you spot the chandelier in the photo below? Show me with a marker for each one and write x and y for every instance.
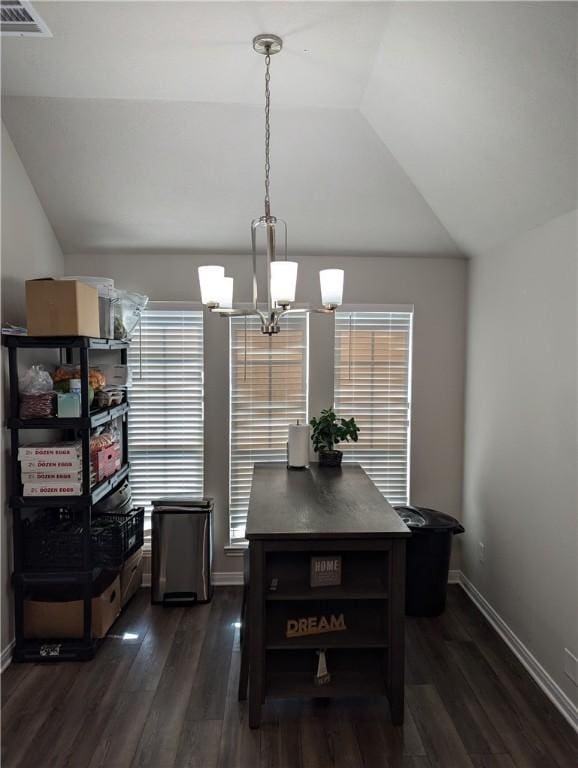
(281, 274)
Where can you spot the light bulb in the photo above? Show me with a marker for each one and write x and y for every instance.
(283, 281)
(226, 293)
(331, 281)
(210, 279)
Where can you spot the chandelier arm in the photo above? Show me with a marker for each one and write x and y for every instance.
(223, 312)
(254, 225)
(270, 229)
(328, 310)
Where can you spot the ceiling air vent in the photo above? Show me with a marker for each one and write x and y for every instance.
(19, 19)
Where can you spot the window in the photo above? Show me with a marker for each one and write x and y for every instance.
(372, 383)
(166, 416)
(268, 391)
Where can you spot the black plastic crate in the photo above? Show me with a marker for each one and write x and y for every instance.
(119, 535)
(53, 540)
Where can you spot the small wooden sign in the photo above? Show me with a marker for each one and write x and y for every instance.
(325, 571)
(315, 625)
(322, 676)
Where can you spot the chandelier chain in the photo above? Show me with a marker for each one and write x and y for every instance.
(267, 134)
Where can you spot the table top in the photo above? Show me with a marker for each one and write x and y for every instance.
(319, 503)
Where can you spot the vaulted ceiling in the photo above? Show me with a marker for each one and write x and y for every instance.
(398, 128)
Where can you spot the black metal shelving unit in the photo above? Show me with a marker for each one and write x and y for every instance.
(70, 347)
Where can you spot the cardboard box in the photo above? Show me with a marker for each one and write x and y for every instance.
(69, 452)
(64, 619)
(53, 488)
(106, 462)
(61, 308)
(131, 576)
(53, 475)
(51, 465)
(116, 375)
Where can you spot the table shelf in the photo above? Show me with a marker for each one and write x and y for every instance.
(46, 651)
(314, 642)
(61, 342)
(353, 673)
(326, 593)
(96, 419)
(62, 577)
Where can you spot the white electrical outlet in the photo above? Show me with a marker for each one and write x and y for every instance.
(482, 555)
(571, 666)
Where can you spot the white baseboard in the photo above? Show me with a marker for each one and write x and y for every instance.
(561, 701)
(454, 577)
(228, 578)
(6, 656)
(220, 579)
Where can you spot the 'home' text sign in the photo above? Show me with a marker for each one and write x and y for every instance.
(325, 571)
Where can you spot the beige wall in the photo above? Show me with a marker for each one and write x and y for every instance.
(520, 493)
(29, 249)
(437, 288)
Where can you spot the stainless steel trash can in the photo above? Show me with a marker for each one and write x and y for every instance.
(182, 550)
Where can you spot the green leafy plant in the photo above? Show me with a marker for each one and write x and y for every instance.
(329, 430)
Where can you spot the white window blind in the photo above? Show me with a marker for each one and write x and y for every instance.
(372, 383)
(166, 415)
(268, 391)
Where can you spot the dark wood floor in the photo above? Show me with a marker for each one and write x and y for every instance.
(162, 693)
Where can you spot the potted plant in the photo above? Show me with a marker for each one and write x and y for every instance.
(328, 431)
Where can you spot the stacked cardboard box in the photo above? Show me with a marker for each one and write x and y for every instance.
(51, 469)
(131, 576)
(61, 308)
(60, 615)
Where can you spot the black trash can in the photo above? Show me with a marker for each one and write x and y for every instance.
(427, 559)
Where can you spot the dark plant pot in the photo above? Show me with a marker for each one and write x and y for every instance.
(330, 458)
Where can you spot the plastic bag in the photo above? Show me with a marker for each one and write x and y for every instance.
(114, 432)
(96, 378)
(128, 312)
(104, 437)
(36, 381)
(99, 441)
(37, 399)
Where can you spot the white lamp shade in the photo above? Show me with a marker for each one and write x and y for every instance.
(226, 297)
(210, 280)
(283, 281)
(331, 281)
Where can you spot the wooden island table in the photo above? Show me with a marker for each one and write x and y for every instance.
(339, 515)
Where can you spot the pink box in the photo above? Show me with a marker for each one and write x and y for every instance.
(106, 462)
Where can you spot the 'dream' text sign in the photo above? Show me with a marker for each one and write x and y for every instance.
(315, 625)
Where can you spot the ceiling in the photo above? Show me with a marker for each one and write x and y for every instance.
(189, 51)
(477, 101)
(397, 128)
